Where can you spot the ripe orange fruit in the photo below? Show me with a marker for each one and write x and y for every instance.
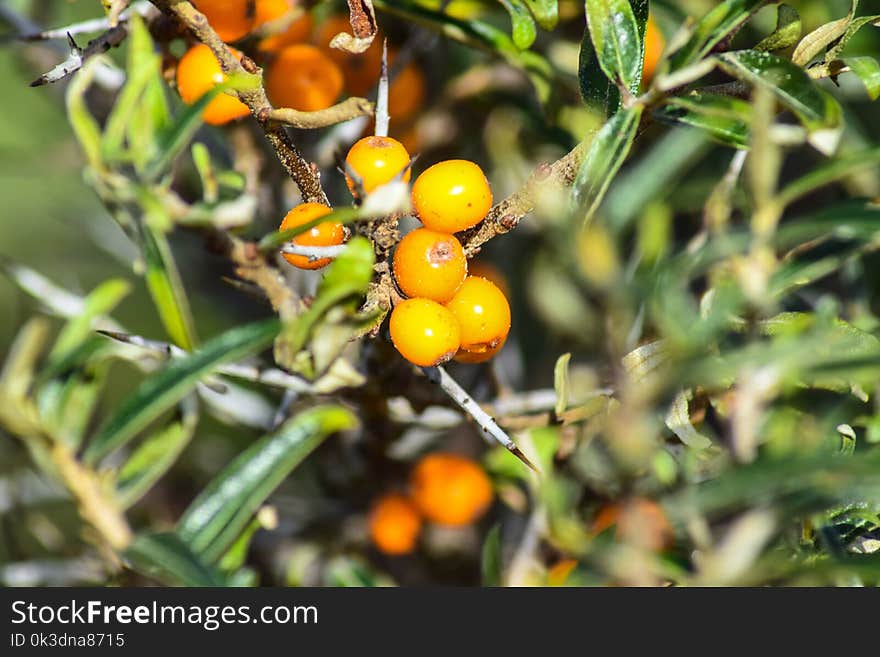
(377, 161)
(327, 233)
(198, 71)
(450, 490)
(424, 332)
(406, 93)
(451, 196)
(430, 265)
(297, 30)
(483, 314)
(395, 524)
(654, 46)
(303, 78)
(231, 19)
(639, 521)
(474, 357)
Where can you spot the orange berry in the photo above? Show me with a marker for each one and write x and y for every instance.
(424, 332)
(394, 524)
(559, 572)
(326, 233)
(451, 196)
(406, 93)
(640, 522)
(449, 489)
(198, 71)
(296, 31)
(483, 314)
(303, 78)
(377, 161)
(429, 264)
(654, 46)
(231, 19)
(474, 357)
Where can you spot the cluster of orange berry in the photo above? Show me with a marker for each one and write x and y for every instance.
(445, 489)
(300, 75)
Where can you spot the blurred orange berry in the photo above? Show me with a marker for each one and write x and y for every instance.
(450, 490)
(198, 71)
(485, 269)
(303, 78)
(327, 233)
(377, 161)
(451, 196)
(640, 522)
(654, 46)
(483, 314)
(296, 31)
(231, 19)
(429, 264)
(424, 332)
(406, 93)
(395, 524)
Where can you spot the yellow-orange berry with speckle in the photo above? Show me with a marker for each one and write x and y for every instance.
(231, 19)
(395, 524)
(424, 332)
(326, 233)
(450, 490)
(376, 161)
(303, 78)
(198, 71)
(451, 196)
(483, 314)
(429, 264)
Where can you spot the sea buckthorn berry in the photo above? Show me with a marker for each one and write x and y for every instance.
(198, 71)
(326, 233)
(485, 269)
(640, 522)
(451, 196)
(395, 524)
(450, 490)
(474, 357)
(303, 78)
(296, 31)
(654, 46)
(377, 161)
(483, 314)
(231, 19)
(430, 265)
(424, 332)
(406, 93)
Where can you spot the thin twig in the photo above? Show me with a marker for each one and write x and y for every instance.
(383, 118)
(348, 109)
(297, 167)
(142, 8)
(506, 215)
(490, 428)
(314, 252)
(79, 56)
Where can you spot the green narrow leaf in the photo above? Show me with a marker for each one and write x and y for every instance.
(162, 390)
(523, 31)
(225, 507)
(719, 24)
(812, 44)
(546, 12)
(560, 383)
(168, 559)
(857, 24)
(817, 110)
(280, 237)
(678, 421)
(84, 125)
(163, 279)
(616, 40)
(725, 118)
(202, 160)
(868, 71)
(788, 30)
(101, 301)
(152, 459)
(77, 396)
(828, 173)
(491, 565)
(604, 159)
(597, 91)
